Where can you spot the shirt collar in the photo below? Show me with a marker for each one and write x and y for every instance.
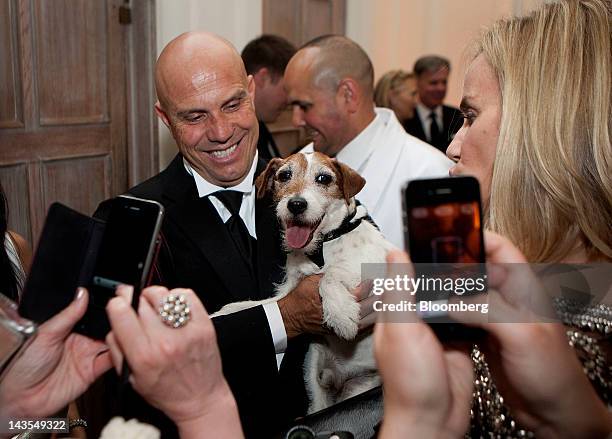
(358, 150)
(424, 111)
(205, 188)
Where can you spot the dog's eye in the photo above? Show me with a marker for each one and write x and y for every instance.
(323, 179)
(284, 176)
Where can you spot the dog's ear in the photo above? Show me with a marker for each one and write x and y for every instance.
(350, 182)
(265, 181)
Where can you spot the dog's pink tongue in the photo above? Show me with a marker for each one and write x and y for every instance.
(297, 236)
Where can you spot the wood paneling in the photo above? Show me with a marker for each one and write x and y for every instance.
(60, 178)
(72, 88)
(302, 20)
(14, 180)
(71, 62)
(11, 109)
(299, 21)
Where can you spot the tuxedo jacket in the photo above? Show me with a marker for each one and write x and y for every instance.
(197, 252)
(451, 121)
(266, 146)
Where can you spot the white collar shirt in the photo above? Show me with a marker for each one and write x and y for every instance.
(424, 114)
(246, 186)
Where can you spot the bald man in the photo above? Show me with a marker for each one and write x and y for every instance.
(226, 252)
(330, 84)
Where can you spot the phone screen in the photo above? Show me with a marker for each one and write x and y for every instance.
(126, 249)
(444, 236)
(448, 232)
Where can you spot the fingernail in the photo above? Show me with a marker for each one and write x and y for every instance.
(80, 293)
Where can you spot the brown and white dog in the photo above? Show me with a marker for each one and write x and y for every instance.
(326, 232)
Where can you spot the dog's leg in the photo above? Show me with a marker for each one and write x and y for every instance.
(291, 280)
(318, 378)
(340, 308)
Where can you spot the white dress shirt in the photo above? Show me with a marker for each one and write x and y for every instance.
(424, 114)
(247, 213)
(387, 156)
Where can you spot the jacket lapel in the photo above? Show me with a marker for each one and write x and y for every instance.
(390, 141)
(201, 223)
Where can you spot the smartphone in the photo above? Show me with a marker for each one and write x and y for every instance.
(129, 244)
(444, 237)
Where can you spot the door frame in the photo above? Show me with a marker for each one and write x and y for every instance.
(142, 136)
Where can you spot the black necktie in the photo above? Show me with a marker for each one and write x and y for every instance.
(240, 234)
(434, 130)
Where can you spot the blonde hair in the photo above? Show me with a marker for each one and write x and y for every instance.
(387, 83)
(551, 190)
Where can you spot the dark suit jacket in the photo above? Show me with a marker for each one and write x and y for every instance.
(451, 120)
(195, 254)
(266, 144)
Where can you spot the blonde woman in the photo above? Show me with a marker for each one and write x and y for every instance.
(536, 104)
(397, 90)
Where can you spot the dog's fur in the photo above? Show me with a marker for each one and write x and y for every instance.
(342, 365)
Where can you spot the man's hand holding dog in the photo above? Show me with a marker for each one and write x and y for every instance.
(302, 311)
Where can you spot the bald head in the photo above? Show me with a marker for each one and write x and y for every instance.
(331, 58)
(192, 58)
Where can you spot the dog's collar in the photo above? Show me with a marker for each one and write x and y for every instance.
(349, 223)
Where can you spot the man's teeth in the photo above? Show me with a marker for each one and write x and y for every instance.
(224, 153)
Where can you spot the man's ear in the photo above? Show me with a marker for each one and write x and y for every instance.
(350, 181)
(265, 182)
(162, 114)
(261, 76)
(349, 94)
(251, 88)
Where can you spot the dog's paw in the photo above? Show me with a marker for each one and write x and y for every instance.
(341, 315)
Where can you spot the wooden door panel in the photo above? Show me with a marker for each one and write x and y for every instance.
(69, 56)
(317, 18)
(80, 182)
(11, 109)
(72, 88)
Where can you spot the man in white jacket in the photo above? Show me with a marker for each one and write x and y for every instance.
(330, 84)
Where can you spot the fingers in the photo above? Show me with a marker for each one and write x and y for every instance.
(501, 250)
(367, 316)
(127, 329)
(115, 352)
(102, 363)
(363, 290)
(59, 326)
(125, 291)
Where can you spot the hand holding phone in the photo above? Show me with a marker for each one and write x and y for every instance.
(126, 254)
(444, 236)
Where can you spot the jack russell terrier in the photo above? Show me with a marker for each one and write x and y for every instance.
(325, 232)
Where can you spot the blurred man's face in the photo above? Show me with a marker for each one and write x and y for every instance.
(270, 96)
(210, 113)
(316, 108)
(432, 87)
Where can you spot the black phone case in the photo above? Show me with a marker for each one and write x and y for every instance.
(64, 260)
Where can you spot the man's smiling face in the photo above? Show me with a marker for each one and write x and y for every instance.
(209, 110)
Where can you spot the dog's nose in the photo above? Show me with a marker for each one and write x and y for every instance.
(297, 205)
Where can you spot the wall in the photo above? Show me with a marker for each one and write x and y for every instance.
(396, 32)
(237, 20)
(393, 32)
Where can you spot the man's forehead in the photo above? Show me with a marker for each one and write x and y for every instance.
(206, 82)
